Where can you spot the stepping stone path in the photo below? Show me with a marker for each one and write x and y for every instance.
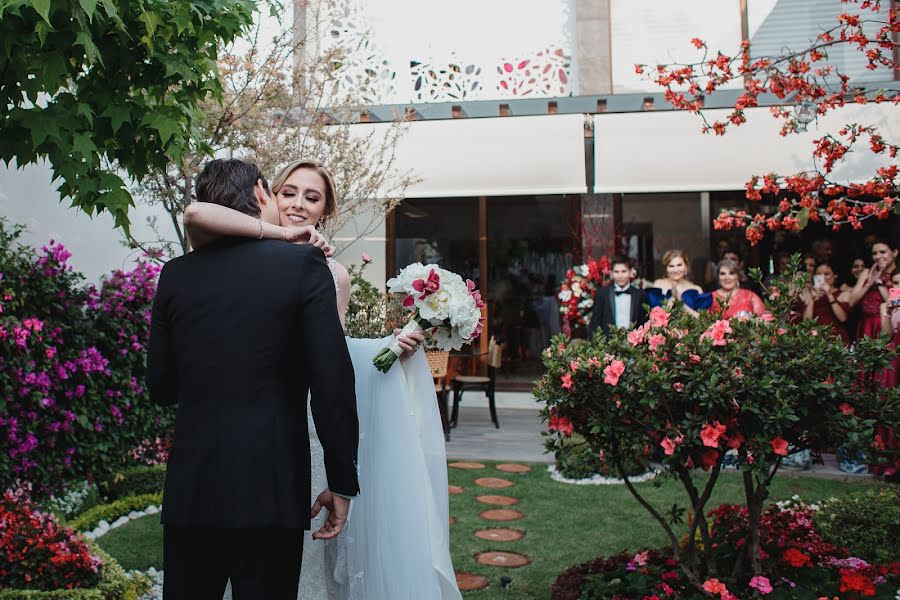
(513, 468)
(455, 489)
(500, 535)
(498, 500)
(501, 514)
(494, 482)
(502, 559)
(468, 466)
(468, 582)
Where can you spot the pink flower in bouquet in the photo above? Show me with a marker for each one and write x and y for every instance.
(779, 446)
(656, 340)
(717, 332)
(669, 445)
(561, 424)
(711, 434)
(761, 584)
(427, 286)
(659, 317)
(567, 382)
(613, 371)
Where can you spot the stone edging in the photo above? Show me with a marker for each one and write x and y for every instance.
(601, 480)
(104, 527)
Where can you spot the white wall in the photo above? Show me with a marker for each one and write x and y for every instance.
(29, 197)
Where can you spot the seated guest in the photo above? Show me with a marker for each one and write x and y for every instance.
(824, 304)
(730, 300)
(676, 285)
(620, 304)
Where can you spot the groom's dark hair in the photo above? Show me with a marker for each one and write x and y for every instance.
(230, 182)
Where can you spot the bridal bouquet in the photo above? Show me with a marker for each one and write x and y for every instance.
(442, 304)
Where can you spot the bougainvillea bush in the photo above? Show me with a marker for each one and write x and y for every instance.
(695, 388)
(72, 363)
(798, 563)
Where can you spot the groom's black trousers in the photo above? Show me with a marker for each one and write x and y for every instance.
(263, 564)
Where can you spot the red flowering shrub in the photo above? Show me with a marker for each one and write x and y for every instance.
(576, 295)
(698, 387)
(37, 553)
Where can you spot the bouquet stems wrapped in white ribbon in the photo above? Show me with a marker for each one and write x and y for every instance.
(441, 303)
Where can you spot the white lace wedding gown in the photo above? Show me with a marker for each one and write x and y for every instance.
(396, 543)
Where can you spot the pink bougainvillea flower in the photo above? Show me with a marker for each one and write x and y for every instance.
(561, 424)
(761, 584)
(779, 446)
(567, 382)
(613, 372)
(847, 409)
(711, 434)
(659, 317)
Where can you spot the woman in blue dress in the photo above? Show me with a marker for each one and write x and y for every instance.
(676, 285)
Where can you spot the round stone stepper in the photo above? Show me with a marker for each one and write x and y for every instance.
(498, 500)
(513, 468)
(469, 582)
(469, 466)
(502, 559)
(494, 482)
(500, 535)
(501, 514)
(455, 489)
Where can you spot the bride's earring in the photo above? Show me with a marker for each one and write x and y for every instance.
(320, 225)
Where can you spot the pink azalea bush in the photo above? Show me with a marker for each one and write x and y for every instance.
(696, 388)
(72, 365)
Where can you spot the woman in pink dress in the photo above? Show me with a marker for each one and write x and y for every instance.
(871, 293)
(730, 299)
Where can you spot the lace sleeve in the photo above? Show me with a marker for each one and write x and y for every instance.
(331, 264)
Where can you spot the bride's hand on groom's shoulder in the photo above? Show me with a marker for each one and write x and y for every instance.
(338, 508)
(308, 235)
(409, 344)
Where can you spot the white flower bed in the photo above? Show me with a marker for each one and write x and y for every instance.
(104, 527)
(598, 479)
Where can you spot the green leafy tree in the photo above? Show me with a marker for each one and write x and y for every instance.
(103, 89)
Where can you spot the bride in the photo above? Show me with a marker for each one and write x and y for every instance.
(396, 542)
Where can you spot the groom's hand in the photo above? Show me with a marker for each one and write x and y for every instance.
(338, 508)
(308, 235)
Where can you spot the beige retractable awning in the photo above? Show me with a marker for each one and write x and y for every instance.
(502, 156)
(665, 151)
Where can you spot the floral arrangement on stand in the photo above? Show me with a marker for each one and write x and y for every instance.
(695, 387)
(576, 294)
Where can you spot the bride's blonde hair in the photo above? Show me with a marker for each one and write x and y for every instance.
(331, 208)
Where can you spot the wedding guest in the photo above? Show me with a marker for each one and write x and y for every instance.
(822, 251)
(676, 285)
(824, 304)
(710, 277)
(890, 326)
(730, 299)
(780, 264)
(745, 282)
(620, 304)
(856, 267)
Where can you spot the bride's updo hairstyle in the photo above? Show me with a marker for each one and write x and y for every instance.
(331, 208)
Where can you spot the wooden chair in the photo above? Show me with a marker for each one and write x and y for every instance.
(464, 383)
(438, 363)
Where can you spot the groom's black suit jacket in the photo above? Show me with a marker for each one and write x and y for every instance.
(241, 330)
(603, 314)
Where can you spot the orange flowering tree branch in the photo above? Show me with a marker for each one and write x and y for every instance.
(806, 82)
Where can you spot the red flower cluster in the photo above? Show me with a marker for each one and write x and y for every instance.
(801, 77)
(37, 553)
(576, 294)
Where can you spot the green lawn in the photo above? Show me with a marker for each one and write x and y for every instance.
(564, 524)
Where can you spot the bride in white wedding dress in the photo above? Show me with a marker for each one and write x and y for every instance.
(396, 542)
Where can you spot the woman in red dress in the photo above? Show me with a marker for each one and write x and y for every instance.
(730, 300)
(871, 293)
(824, 305)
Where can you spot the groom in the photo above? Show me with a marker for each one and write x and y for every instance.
(241, 330)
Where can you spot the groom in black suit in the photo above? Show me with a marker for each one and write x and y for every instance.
(241, 331)
(620, 304)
